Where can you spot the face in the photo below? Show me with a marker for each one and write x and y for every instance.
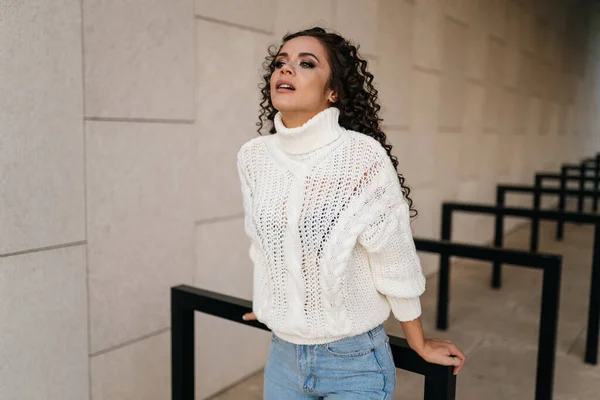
(302, 64)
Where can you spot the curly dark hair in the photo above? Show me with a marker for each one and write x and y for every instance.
(356, 100)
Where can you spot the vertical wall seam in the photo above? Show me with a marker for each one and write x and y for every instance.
(85, 204)
(196, 140)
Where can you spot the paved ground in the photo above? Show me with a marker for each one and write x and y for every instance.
(498, 329)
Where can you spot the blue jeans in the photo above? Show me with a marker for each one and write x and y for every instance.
(359, 367)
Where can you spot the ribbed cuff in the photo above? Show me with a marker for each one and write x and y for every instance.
(405, 309)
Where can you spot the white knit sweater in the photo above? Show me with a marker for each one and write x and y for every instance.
(329, 230)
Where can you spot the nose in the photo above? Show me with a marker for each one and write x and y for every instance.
(287, 69)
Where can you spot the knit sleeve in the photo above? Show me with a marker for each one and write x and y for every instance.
(388, 240)
(246, 190)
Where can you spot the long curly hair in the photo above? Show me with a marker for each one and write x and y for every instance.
(350, 79)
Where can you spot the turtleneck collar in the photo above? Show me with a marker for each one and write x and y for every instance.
(320, 130)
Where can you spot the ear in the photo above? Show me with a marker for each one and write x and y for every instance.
(333, 97)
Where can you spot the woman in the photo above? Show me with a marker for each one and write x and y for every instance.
(329, 221)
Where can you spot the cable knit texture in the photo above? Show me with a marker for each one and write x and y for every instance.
(329, 231)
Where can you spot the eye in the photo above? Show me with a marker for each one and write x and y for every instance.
(307, 64)
(278, 64)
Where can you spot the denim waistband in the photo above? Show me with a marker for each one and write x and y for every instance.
(372, 334)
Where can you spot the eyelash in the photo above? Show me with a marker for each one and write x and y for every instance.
(279, 64)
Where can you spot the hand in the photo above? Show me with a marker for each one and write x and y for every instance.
(249, 316)
(443, 352)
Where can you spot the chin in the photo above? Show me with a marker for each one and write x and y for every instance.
(286, 106)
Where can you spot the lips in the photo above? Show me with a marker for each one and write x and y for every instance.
(284, 86)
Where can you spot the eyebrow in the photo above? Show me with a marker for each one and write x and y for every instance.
(300, 54)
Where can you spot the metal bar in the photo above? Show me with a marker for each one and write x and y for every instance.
(591, 345)
(581, 188)
(535, 221)
(551, 215)
(182, 349)
(440, 384)
(560, 224)
(597, 183)
(556, 177)
(577, 167)
(548, 331)
(484, 253)
(498, 238)
(407, 359)
(444, 274)
(543, 190)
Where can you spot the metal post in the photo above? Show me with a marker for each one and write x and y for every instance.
(440, 384)
(182, 350)
(582, 176)
(560, 224)
(444, 281)
(597, 182)
(498, 239)
(548, 328)
(591, 347)
(535, 221)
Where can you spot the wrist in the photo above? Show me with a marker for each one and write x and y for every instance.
(418, 346)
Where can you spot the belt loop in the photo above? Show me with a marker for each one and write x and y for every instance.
(373, 331)
(371, 334)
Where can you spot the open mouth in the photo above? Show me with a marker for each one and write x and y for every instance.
(285, 87)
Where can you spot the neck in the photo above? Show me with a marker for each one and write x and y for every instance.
(296, 119)
(316, 132)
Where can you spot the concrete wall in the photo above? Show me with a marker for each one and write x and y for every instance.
(119, 124)
(592, 77)
(493, 91)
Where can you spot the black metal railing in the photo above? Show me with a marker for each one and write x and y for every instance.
(537, 191)
(583, 166)
(550, 266)
(541, 178)
(440, 382)
(582, 177)
(593, 324)
(592, 338)
(592, 160)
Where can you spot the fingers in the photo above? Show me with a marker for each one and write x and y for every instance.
(456, 363)
(458, 356)
(444, 352)
(452, 361)
(249, 316)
